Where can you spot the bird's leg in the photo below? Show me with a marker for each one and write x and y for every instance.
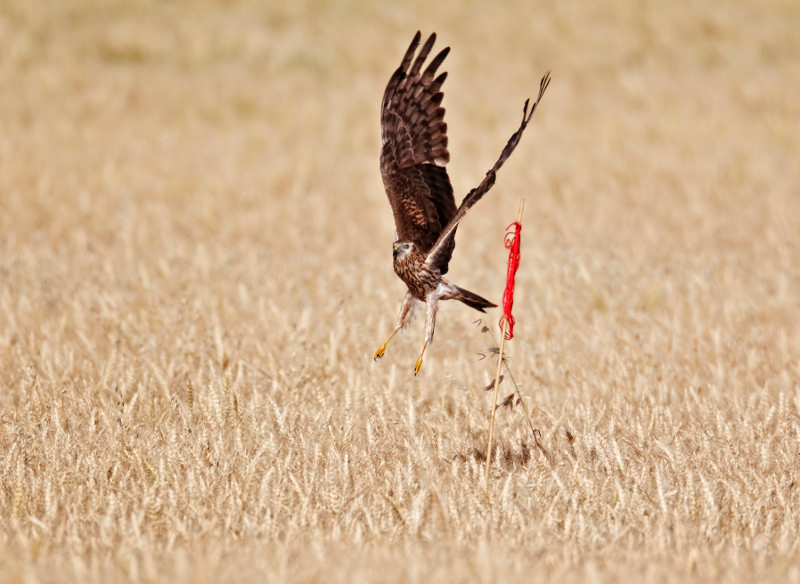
(431, 303)
(406, 313)
(382, 349)
(419, 359)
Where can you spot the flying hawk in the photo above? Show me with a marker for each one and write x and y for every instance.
(413, 159)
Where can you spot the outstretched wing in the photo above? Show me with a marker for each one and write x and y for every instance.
(439, 251)
(414, 151)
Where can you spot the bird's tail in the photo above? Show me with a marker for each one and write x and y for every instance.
(471, 299)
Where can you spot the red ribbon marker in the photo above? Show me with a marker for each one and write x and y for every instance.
(512, 245)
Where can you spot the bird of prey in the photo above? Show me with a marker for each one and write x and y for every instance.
(413, 159)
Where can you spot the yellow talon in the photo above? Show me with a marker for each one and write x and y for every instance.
(419, 359)
(382, 348)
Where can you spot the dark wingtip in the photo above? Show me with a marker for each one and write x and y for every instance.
(429, 43)
(543, 84)
(412, 48)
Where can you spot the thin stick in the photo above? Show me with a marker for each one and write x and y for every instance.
(497, 385)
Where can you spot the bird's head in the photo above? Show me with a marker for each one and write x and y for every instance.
(401, 248)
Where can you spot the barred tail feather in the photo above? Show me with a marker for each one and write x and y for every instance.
(471, 299)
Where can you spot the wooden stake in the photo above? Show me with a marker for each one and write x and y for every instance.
(497, 385)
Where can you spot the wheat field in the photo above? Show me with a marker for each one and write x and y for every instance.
(195, 271)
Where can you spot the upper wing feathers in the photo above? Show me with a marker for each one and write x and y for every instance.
(423, 54)
(415, 100)
(414, 137)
